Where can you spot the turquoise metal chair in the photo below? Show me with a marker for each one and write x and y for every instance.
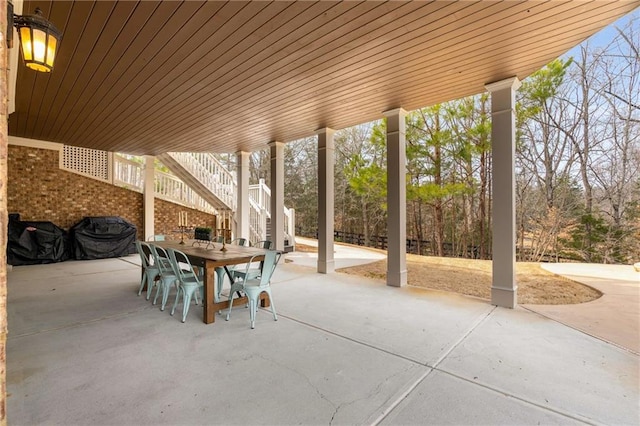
(150, 270)
(265, 244)
(256, 286)
(255, 269)
(156, 238)
(189, 285)
(220, 273)
(240, 242)
(168, 278)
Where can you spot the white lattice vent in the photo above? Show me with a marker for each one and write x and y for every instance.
(88, 162)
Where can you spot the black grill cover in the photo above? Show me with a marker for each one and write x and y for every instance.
(103, 237)
(31, 243)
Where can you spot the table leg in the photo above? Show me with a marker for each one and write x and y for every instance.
(209, 315)
(264, 300)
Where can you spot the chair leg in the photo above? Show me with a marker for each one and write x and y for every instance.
(195, 296)
(220, 273)
(175, 302)
(165, 293)
(151, 285)
(252, 311)
(186, 300)
(158, 290)
(273, 306)
(142, 282)
(230, 305)
(150, 288)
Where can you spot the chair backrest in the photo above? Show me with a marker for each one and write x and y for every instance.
(240, 242)
(156, 238)
(161, 259)
(266, 244)
(270, 262)
(146, 256)
(219, 239)
(179, 261)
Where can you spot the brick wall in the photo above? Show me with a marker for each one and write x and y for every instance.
(166, 219)
(40, 191)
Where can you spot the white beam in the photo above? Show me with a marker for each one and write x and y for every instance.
(504, 289)
(242, 195)
(277, 194)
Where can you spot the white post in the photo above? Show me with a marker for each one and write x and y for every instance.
(396, 198)
(292, 227)
(277, 194)
(504, 289)
(149, 196)
(242, 195)
(326, 148)
(263, 209)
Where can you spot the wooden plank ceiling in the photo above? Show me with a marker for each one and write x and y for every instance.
(149, 77)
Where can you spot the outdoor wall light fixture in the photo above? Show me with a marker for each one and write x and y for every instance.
(39, 38)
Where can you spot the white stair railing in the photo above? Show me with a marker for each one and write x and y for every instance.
(211, 173)
(130, 174)
(257, 223)
(260, 211)
(170, 188)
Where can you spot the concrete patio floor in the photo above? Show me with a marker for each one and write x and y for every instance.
(84, 349)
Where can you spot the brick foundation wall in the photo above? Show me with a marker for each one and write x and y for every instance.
(166, 219)
(40, 191)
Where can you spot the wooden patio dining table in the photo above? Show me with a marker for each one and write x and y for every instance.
(210, 256)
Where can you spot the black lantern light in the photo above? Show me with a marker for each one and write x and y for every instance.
(39, 39)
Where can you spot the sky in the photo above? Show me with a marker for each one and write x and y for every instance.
(604, 36)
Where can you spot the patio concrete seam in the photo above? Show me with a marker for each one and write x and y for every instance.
(128, 261)
(420, 379)
(473, 326)
(110, 272)
(350, 339)
(401, 398)
(521, 399)
(78, 324)
(411, 388)
(532, 310)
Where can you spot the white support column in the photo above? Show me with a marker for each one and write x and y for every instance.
(149, 194)
(396, 198)
(277, 194)
(326, 160)
(504, 289)
(242, 195)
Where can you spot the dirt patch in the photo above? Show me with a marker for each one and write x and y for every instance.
(305, 248)
(473, 278)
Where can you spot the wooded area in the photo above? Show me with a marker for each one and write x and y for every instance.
(578, 150)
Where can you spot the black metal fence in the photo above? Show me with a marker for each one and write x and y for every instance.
(426, 248)
(414, 246)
